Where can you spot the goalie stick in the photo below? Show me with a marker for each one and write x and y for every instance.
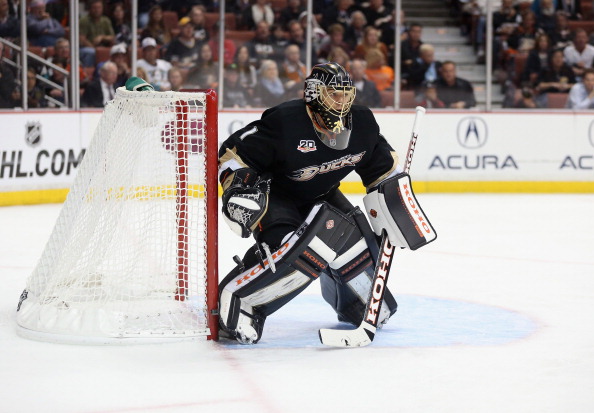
(365, 333)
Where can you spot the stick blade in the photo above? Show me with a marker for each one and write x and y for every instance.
(359, 337)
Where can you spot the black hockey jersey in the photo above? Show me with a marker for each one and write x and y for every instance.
(283, 144)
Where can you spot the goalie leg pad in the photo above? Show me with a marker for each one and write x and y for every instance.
(249, 295)
(394, 208)
(349, 286)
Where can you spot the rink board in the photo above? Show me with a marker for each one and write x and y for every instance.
(466, 151)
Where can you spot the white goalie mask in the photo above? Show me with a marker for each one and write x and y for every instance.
(329, 94)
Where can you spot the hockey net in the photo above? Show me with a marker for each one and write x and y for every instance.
(133, 254)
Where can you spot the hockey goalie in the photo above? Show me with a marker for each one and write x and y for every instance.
(280, 177)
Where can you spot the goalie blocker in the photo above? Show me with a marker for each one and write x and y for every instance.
(394, 208)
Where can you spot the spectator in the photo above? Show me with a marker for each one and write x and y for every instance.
(198, 18)
(561, 34)
(229, 47)
(318, 35)
(95, 27)
(580, 54)
(144, 9)
(370, 42)
(279, 41)
(523, 37)
(234, 94)
(526, 100)
(340, 56)
(181, 7)
(35, 93)
(156, 69)
(355, 31)
(339, 13)
(94, 30)
(581, 95)
(57, 94)
(184, 50)
(424, 69)
(505, 21)
(8, 93)
(505, 15)
(62, 51)
(175, 78)
(260, 47)
(297, 37)
(117, 55)
(141, 73)
(206, 72)
(556, 78)
(545, 17)
(155, 27)
(378, 14)
(471, 15)
(538, 59)
(293, 71)
(456, 93)
(334, 39)
(100, 91)
(269, 90)
(367, 94)
(42, 29)
(410, 46)
(248, 76)
(429, 97)
(121, 28)
(238, 7)
(9, 24)
(572, 8)
(388, 33)
(291, 12)
(377, 71)
(258, 12)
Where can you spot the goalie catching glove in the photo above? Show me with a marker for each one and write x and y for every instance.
(245, 200)
(394, 208)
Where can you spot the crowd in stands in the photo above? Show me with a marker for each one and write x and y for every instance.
(542, 49)
(539, 49)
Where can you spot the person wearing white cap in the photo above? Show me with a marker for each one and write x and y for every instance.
(156, 69)
(117, 55)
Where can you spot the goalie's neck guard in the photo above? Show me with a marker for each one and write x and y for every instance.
(338, 136)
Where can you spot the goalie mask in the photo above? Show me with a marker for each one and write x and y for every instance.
(329, 94)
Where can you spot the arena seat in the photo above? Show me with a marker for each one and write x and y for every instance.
(587, 25)
(102, 53)
(556, 100)
(520, 60)
(212, 18)
(239, 37)
(407, 99)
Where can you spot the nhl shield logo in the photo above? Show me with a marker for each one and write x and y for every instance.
(330, 224)
(33, 133)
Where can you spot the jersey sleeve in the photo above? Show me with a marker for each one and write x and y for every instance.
(383, 161)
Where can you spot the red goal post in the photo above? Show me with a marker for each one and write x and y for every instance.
(133, 254)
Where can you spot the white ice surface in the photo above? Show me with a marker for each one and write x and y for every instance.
(495, 316)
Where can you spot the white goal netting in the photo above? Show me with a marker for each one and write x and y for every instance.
(128, 256)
